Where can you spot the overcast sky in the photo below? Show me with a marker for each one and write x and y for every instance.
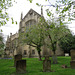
(24, 6)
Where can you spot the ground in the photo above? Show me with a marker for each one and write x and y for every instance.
(35, 67)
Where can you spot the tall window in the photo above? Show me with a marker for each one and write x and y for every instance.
(29, 23)
(25, 52)
(33, 51)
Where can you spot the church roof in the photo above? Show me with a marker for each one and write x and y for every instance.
(31, 10)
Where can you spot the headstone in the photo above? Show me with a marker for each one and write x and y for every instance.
(46, 64)
(54, 57)
(66, 54)
(21, 66)
(2, 56)
(72, 54)
(16, 58)
(72, 62)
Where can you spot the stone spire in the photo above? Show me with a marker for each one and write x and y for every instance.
(41, 11)
(21, 16)
(10, 34)
(7, 37)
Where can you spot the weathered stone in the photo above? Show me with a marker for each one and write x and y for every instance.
(16, 58)
(54, 57)
(66, 54)
(72, 63)
(21, 66)
(72, 54)
(46, 64)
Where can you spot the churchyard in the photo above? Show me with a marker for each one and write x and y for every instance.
(35, 67)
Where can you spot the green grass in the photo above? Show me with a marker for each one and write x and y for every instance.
(35, 67)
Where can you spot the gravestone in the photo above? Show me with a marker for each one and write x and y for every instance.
(21, 66)
(54, 57)
(72, 62)
(66, 54)
(46, 64)
(72, 54)
(16, 58)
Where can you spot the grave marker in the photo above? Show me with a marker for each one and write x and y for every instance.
(72, 62)
(21, 66)
(16, 58)
(46, 64)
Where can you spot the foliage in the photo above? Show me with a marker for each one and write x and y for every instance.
(4, 17)
(67, 43)
(1, 45)
(56, 28)
(34, 36)
(64, 10)
(54, 32)
(4, 4)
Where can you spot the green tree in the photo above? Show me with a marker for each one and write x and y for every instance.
(4, 5)
(54, 32)
(4, 17)
(1, 45)
(45, 33)
(67, 43)
(34, 37)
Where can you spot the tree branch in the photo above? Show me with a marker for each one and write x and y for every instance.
(31, 45)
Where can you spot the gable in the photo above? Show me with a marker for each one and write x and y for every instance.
(31, 13)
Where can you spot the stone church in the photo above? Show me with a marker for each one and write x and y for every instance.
(14, 42)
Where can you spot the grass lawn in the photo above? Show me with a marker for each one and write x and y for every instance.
(35, 67)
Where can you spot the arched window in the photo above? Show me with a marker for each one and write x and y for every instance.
(30, 23)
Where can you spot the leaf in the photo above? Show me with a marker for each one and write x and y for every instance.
(1, 30)
(12, 22)
(38, 4)
(61, 23)
(7, 19)
(16, 22)
(6, 13)
(0, 11)
(57, 8)
(74, 7)
(30, 1)
(5, 22)
(2, 5)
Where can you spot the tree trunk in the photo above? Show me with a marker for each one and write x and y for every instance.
(54, 57)
(29, 53)
(39, 55)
